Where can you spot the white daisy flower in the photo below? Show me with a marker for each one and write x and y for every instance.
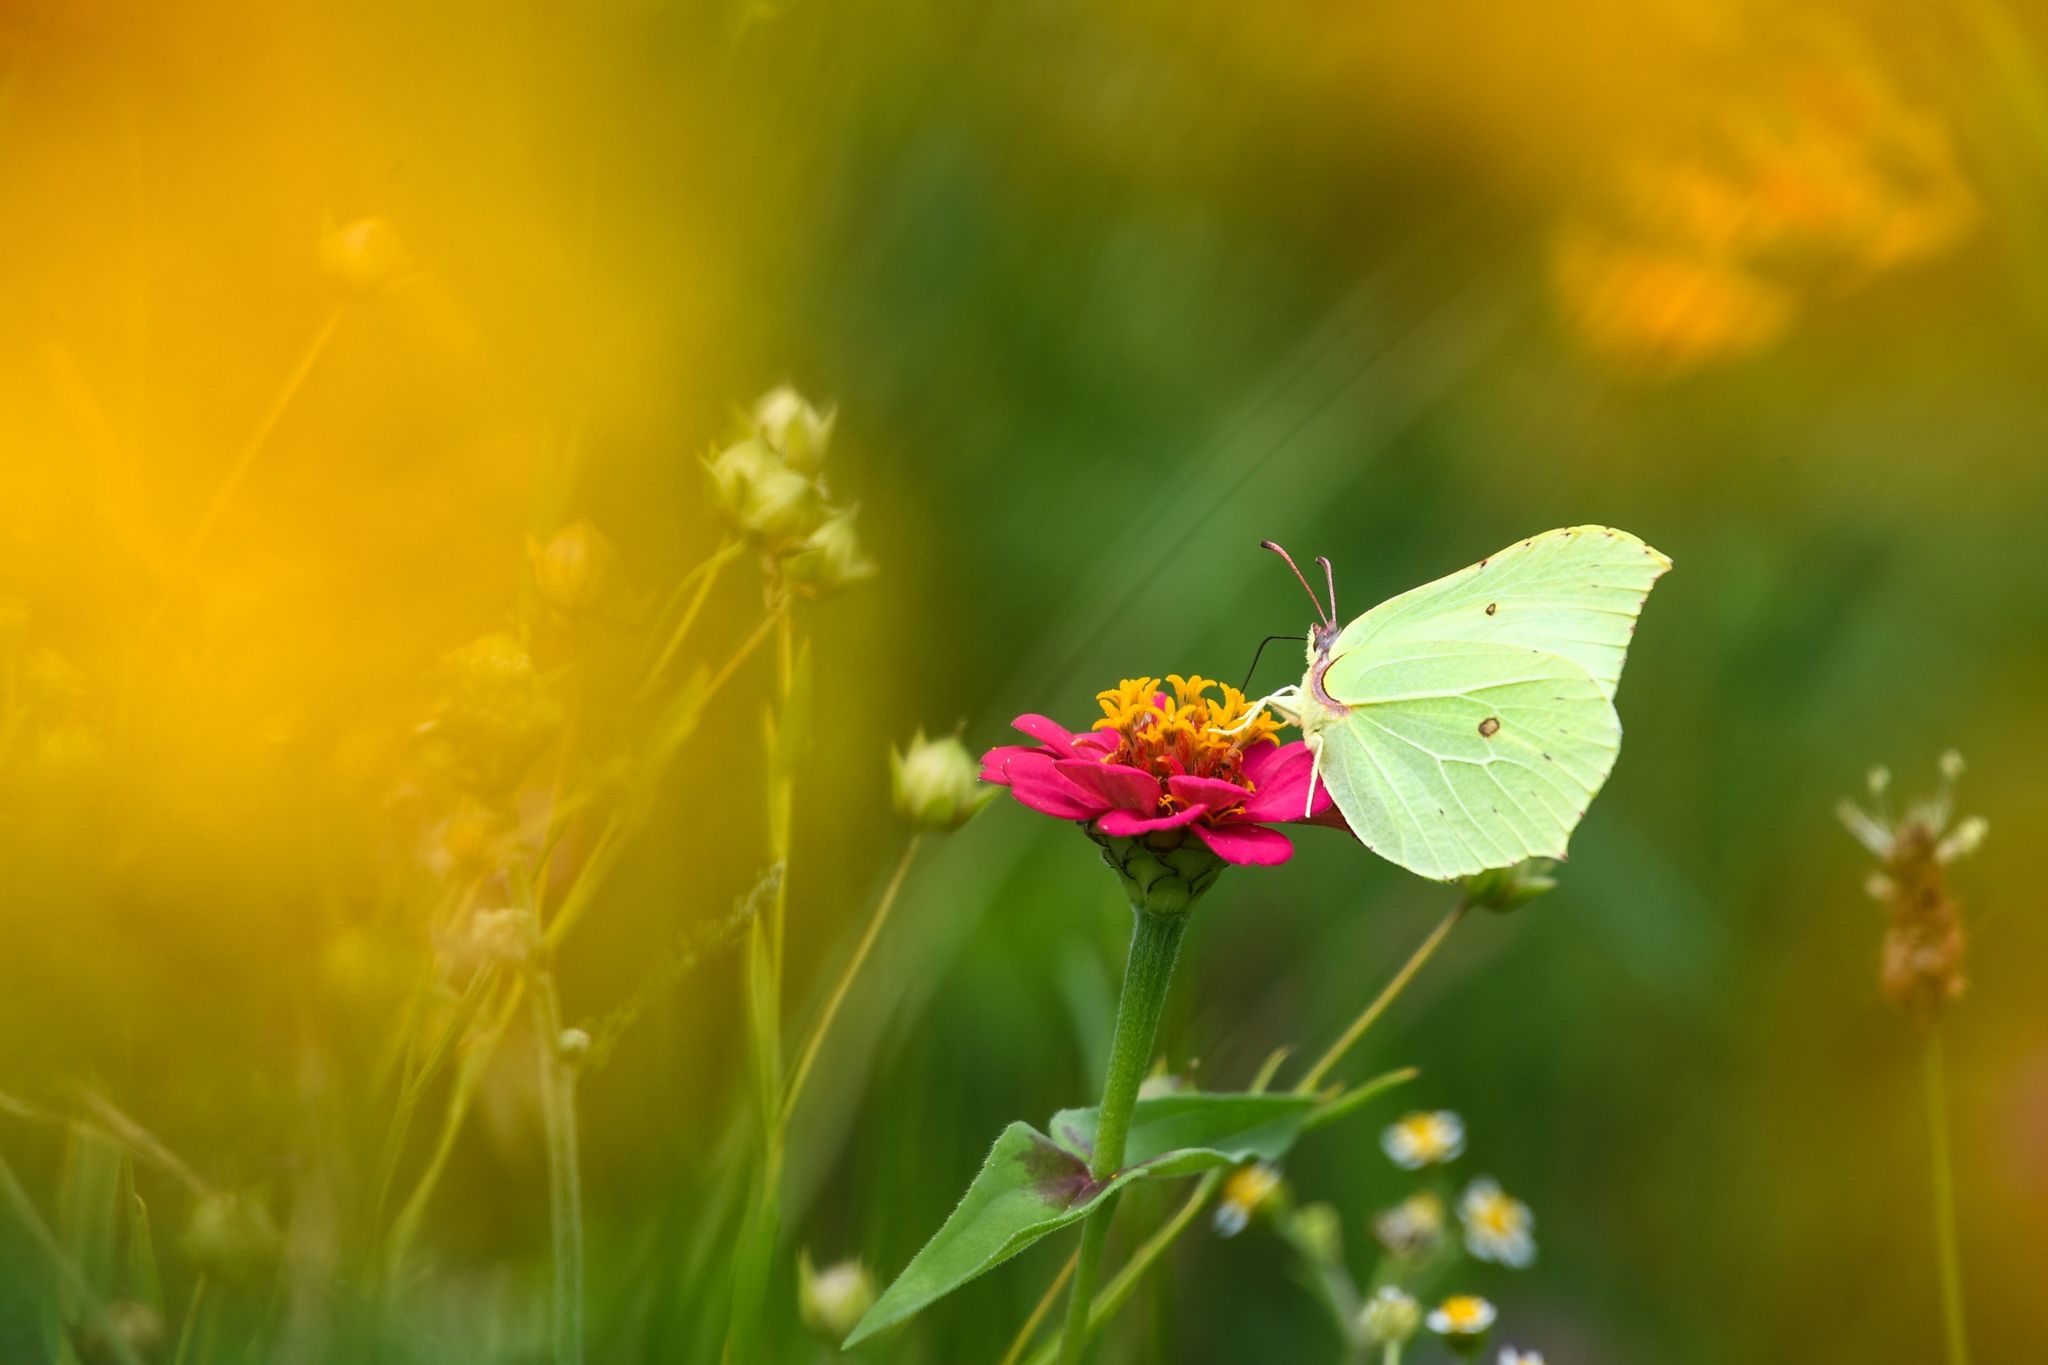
(1244, 1194)
(1413, 1227)
(1497, 1228)
(1424, 1139)
(1510, 1356)
(1462, 1317)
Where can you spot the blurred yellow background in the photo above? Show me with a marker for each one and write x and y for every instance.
(319, 323)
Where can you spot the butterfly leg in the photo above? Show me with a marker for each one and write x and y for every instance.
(1286, 701)
(1315, 772)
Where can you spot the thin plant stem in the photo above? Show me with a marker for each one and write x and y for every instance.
(764, 1010)
(1946, 1253)
(1308, 1083)
(1046, 1300)
(704, 575)
(809, 1053)
(245, 458)
(73, 1278)
(610, 843)
(1155, 944)
(468, 1076)
(192, 1307)
(565, 1181)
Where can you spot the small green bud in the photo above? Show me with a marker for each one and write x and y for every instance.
(1503, 889)
(829, 558)
(832, 1301)
(935, 784)
(793, 428)
(763, 497)
(1390, 1316)
(577, 572)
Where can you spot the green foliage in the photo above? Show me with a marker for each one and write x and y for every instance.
(1033, 1185)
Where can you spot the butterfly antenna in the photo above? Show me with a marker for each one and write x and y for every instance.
(1320, 613)
(1329, 577)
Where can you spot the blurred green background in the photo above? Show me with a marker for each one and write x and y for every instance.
(1104, 295)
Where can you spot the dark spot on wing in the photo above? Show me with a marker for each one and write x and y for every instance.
(1492, 607)
(1490, 726)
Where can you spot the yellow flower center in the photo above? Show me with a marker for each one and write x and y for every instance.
(1189, 731)
(1464, 1312)
(1249, 1187)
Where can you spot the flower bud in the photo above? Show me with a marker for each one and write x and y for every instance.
(577, 572)
(1502, 889)
(763, 497)
(363, 255)
(230, 1236)
(829, 558)
(934, 783)
(833, 1300)
(1390, 1317)
(793, 428)
(1161, 879)
(572, 1045)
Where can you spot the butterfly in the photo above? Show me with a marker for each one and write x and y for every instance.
(1468, 723)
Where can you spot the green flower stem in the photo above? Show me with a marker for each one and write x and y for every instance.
(809, 1055)
(565, 1181)
(1949, 1258)
(1386, 997)
(1155, 944)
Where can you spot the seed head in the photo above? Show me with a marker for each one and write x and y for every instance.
(1922, 967)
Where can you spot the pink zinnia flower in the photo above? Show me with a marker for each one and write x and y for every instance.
(1162, 766)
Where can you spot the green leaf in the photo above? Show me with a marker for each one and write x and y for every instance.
(1032, 1185)
(1244, 1127)
(88, 1216)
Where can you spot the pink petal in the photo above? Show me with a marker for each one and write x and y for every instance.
(1048, 732)
(1246, 845)
(995, 763)
(1212, 793)
(1102, 742)
(1118, 823)
(1113, 784)
(1033, 782)
(1281, 778)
